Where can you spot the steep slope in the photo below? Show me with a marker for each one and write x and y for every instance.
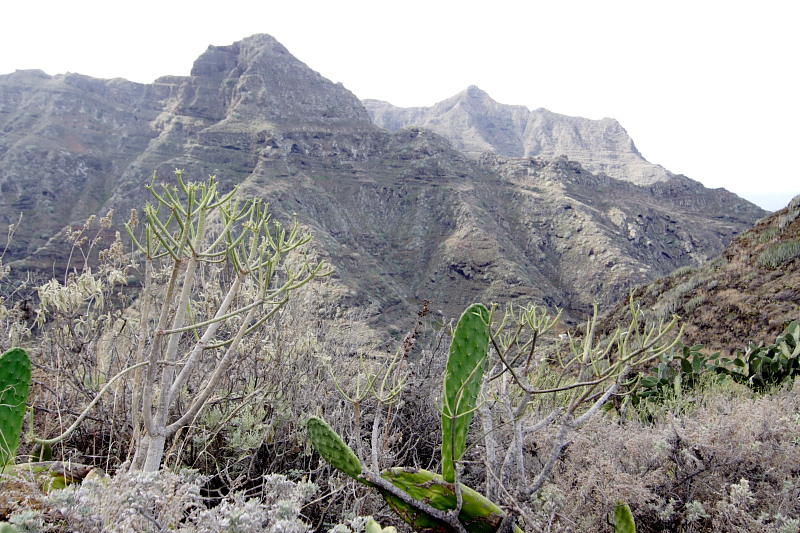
(64, 143)
(475, 123)
(747, 294)
(402, 215)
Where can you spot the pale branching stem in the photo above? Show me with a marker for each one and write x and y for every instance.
(144, 317)
(208, 335)
(503, 354)
(357, 433)
(277, 304)
(542, 423)
(568, 424)
(444, 516)
(155, 351)
(602, 400)
(171, 355)
(518, 445)
(555, 453)
(220, 370)
(376, 432)
(221, 315)
(490, 444)
(533, 390)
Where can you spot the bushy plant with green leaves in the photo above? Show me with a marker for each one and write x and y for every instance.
(671, 380)
(779, 253)
(678, 375)
(761, 367)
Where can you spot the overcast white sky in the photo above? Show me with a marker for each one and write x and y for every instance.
(709, 89)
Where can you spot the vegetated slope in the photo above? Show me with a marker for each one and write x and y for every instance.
(403, 215)
(475, 123)
(747, 294)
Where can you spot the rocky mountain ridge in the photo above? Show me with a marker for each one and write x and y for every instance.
(403, 215)
(475, 123)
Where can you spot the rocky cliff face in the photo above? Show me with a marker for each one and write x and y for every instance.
(475, 124)
(64, 144)
(403, 215)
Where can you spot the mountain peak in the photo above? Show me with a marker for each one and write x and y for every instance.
(473, 91)
(221, 59)
(257, 79)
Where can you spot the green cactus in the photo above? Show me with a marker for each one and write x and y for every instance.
(623, 519)
(478, 514)
(462, 383)
(15, 382)
(465, 368)
(331, 446)
(375, 527)
(6, 527)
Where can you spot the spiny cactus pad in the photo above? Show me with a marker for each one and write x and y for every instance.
(15, 382)
(374, 527)
(478, 514)
(332, 448)
(623, 519)
(462, 383)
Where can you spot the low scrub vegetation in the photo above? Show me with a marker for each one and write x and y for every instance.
(780, 253)
(176, 380)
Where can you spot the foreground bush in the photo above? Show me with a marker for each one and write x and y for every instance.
(158, 501)
(728, 464)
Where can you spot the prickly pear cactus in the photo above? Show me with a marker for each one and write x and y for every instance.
(15, 382)
(462, 383)
(478, 514)
(332, 448)
(623, 519)
(375, 527)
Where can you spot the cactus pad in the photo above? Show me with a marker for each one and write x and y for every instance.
(374, 527)
(462, 384)
(332, 448)
(478, 514)
(15, 382)
(623, 519)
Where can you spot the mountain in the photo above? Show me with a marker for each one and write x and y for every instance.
(749, 293)
(475, 123)
(403, 215)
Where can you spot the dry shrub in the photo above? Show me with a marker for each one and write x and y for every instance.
(728, 466)
(161, 501)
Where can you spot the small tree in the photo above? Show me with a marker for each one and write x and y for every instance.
(187, 343)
